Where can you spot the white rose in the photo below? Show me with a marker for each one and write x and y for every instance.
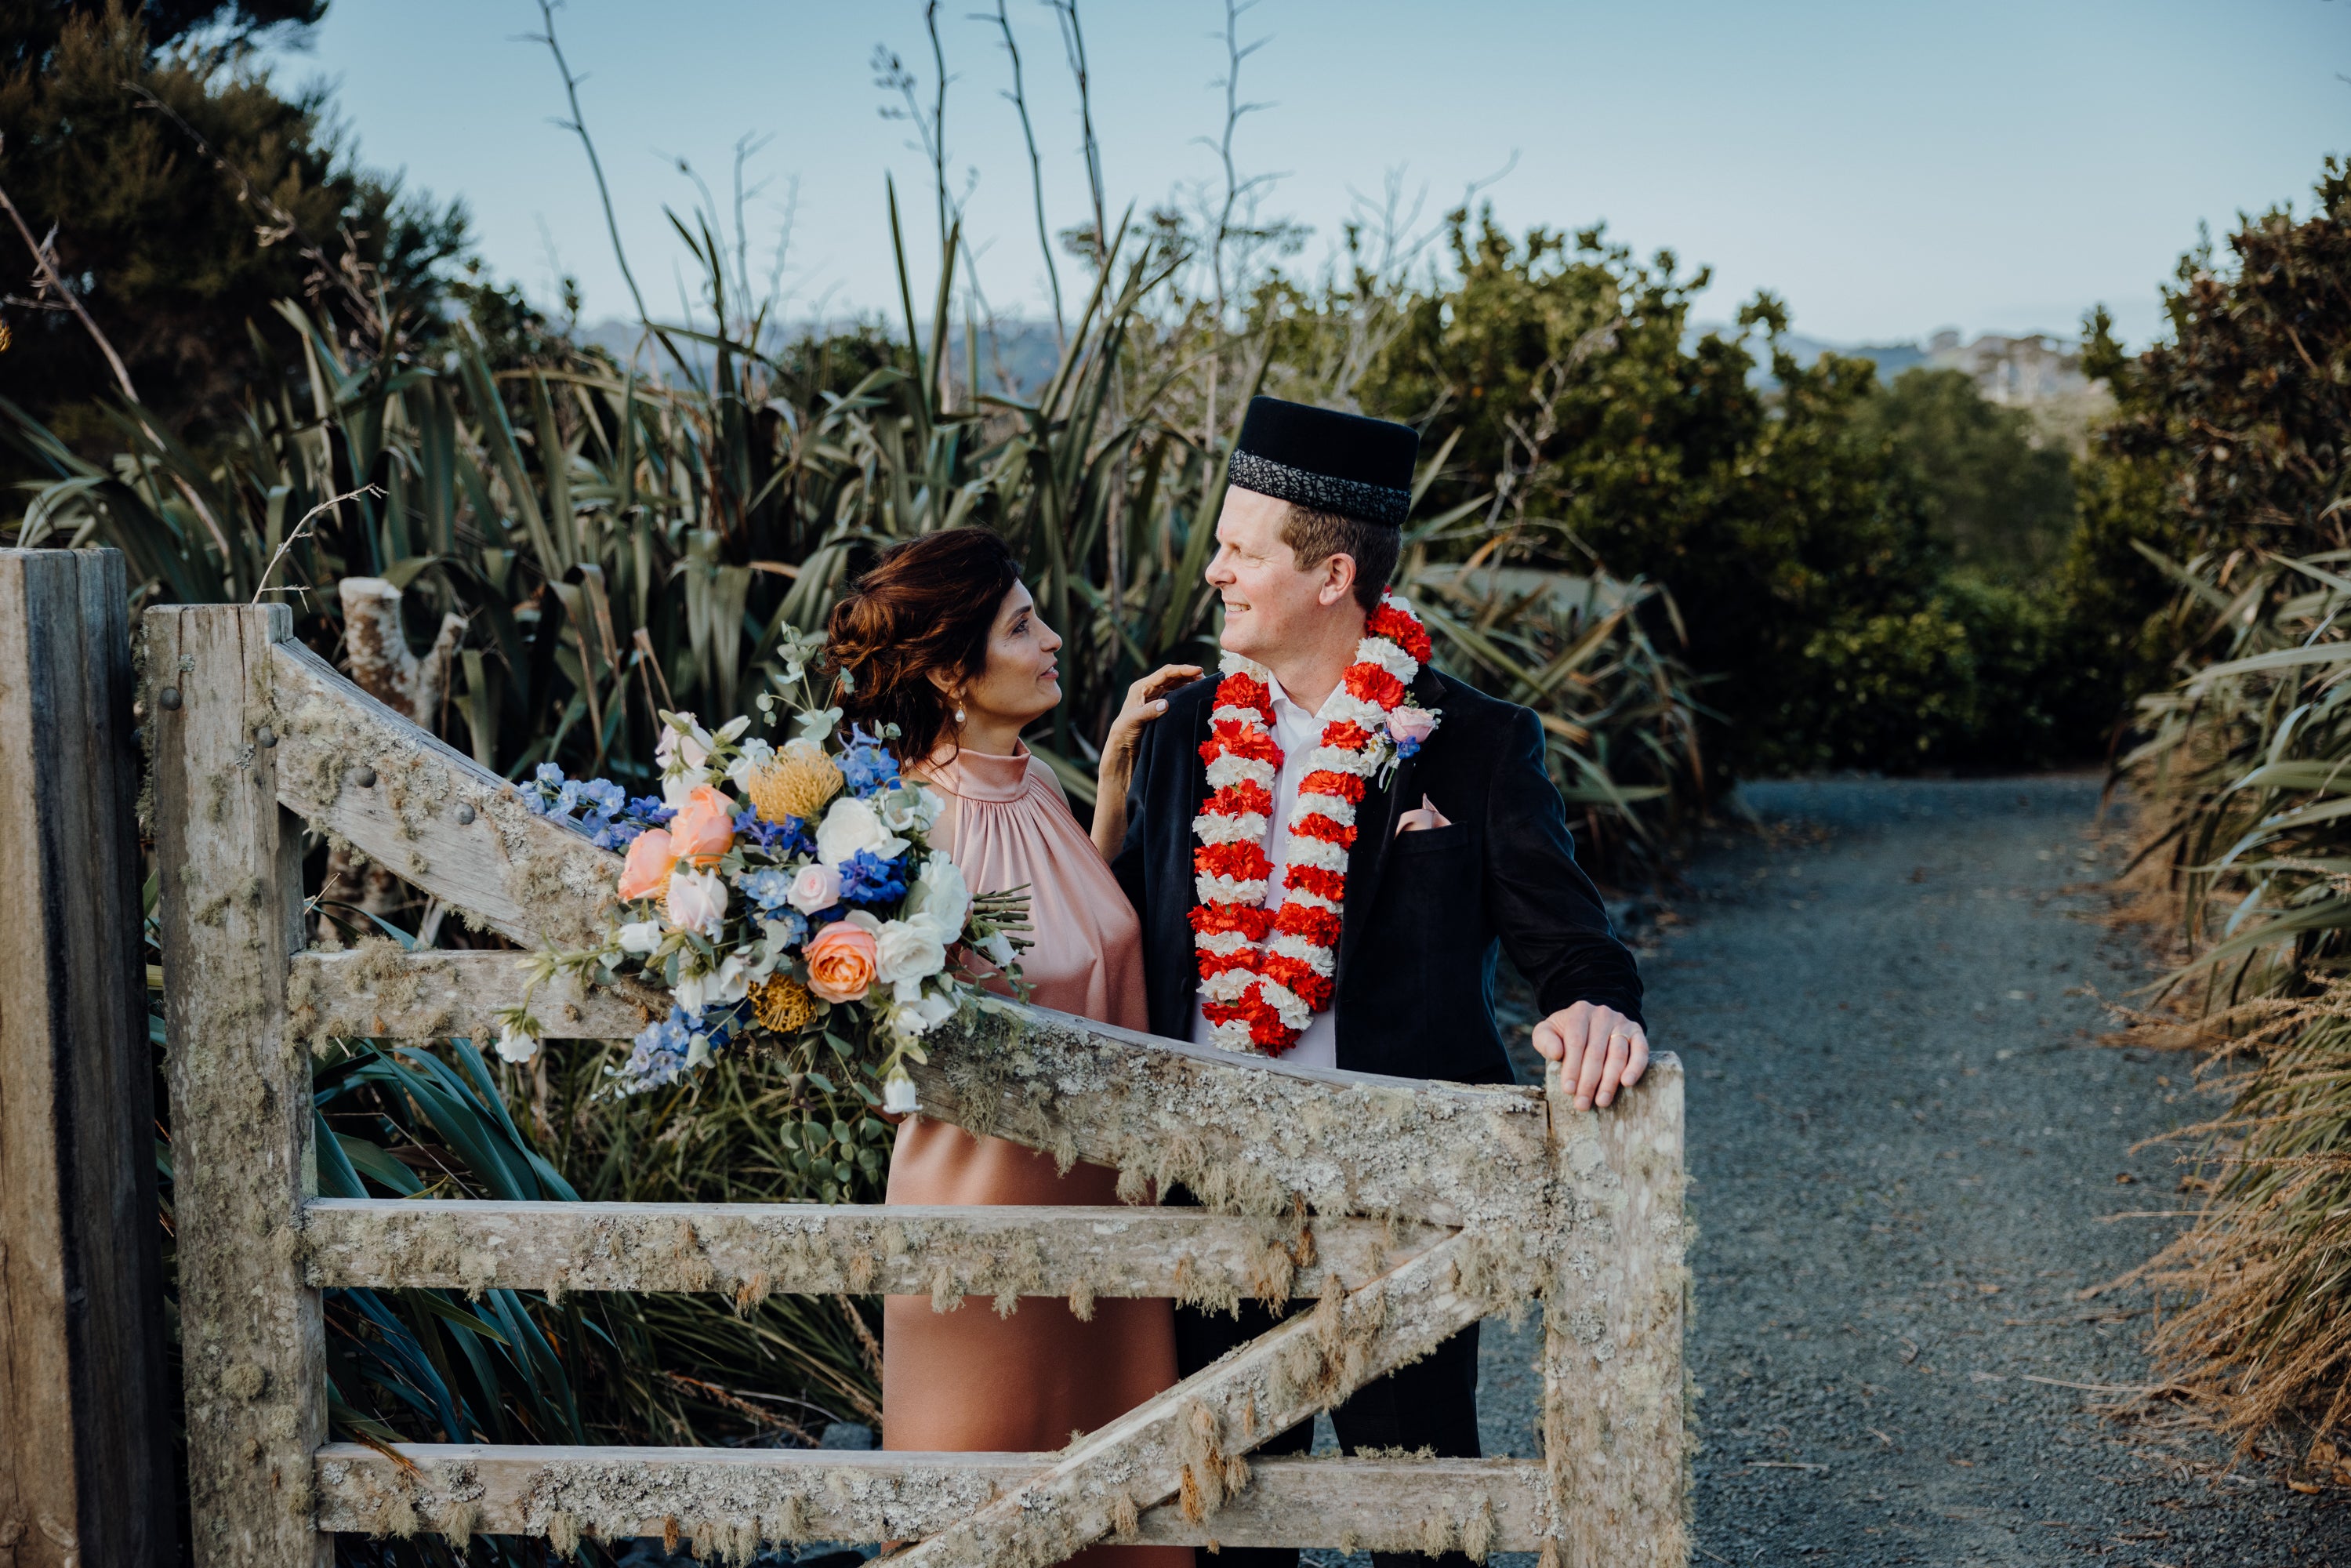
(852, 825)
(696, 901)
(898, 1093)
(998, 948)
(815, 886)
(517, 1044)
(939, 892)
(641, 936)
(908, 953)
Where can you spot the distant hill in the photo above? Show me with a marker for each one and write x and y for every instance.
(1016, 359)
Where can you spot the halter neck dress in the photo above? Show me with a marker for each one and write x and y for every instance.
(968, 1380)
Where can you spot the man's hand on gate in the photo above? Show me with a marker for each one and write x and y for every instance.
(1599, 1050)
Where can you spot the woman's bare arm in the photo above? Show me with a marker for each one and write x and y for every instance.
(1145, 701)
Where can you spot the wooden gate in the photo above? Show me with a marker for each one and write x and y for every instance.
(1404, 1210)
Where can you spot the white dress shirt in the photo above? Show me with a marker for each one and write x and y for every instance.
(1297, 732)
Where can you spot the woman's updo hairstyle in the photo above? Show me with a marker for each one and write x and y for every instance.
(928, 604)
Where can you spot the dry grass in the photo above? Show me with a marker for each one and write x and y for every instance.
(2265, 1337)
(2244, 795)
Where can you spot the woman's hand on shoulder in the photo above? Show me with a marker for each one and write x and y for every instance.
(1145, 701)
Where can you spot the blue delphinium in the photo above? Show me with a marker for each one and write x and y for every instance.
(867, 766)
(656, 1056)
(596, 808)
(784, 840)
(866, 878)
(767, 889)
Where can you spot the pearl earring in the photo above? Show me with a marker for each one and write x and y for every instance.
(958, 712)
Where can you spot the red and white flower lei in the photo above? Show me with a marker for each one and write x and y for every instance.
(1266, 972)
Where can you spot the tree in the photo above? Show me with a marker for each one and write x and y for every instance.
(1603, 431)
(179, 193)
(2001, 504)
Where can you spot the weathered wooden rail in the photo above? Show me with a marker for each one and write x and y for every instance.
(1403, 1210)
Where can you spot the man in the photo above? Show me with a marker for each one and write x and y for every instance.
(1459, 852)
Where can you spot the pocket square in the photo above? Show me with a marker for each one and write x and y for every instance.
(1422, 818)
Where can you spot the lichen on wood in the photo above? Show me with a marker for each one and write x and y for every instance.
(750, 1497)
(252, 1338)
(525, 876)
(748, 1251)
(1244, 1136)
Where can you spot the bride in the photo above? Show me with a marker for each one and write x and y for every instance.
(941, 639)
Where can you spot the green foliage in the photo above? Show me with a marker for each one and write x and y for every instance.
(115, 143)
(1998, 500)
(1587, 419)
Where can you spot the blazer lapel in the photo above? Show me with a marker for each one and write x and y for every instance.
(1177, 895)
(1375, 822)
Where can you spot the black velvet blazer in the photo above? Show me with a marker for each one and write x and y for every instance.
(1426, 913)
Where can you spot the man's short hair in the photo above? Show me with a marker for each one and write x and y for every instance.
(1315, 537)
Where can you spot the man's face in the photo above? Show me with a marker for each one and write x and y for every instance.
(1269, 603)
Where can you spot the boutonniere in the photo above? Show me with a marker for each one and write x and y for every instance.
(1409, 726)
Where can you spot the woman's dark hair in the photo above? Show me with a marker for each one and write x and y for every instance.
(928, 604)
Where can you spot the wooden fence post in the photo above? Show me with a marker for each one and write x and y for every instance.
(253, 1341)
(84, 1463)
(1614, 1438)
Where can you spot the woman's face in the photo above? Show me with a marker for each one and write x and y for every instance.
(1022, 681)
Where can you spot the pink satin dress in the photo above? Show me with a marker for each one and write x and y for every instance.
(968, 1381)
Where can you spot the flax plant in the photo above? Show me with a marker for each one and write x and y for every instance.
(2246, 769)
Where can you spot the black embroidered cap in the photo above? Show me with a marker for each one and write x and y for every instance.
(1330, 461)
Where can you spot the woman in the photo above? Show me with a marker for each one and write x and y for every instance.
(941, 639)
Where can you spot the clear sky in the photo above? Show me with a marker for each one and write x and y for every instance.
(1887, 166)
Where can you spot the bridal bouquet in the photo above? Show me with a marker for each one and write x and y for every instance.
(781, 891)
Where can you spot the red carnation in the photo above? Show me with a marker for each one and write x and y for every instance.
(1241, 689)
(1346, 735)
(1314, 879)
(1348, 787)
(1312, 921)
(1243, 741)
(1240, 799)
(1299, 979)
(1251, 920)
(1374, 685)
(1402, 629)
(1215, 964)
(1316, 826)
(1242, 862)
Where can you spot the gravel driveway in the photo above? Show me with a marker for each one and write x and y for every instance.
(1909, 1154)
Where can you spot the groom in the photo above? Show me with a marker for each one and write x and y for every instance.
(1460, 851)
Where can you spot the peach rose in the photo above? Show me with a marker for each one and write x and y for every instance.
(704, 827)
(841, 960)
(651, 858)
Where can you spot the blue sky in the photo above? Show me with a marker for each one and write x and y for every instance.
(1887, 167)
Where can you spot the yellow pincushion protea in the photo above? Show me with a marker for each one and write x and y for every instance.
(783, 1004)
(796, 783)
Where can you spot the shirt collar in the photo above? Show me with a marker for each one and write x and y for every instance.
(1287, 710)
